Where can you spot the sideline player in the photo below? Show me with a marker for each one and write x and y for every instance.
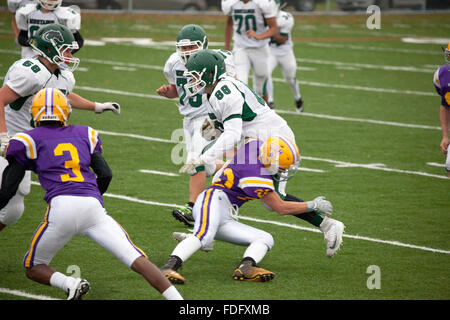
(13, 6)
(61, 156)
(190, 39)
(282, 54)
(31, 17)
(53, 43)
(250, 175)
(250, 24)
(441, 82)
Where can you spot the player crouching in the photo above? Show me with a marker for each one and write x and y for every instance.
(251, 174)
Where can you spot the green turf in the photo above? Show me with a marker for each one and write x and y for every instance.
(396, 206)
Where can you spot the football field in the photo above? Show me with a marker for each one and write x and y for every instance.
(369, 140)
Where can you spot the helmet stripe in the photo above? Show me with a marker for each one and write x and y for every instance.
(291, 147)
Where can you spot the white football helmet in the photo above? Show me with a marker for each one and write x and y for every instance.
(50, 4)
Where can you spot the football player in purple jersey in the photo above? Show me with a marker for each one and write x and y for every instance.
(441, 82)
(62, 156)
(250, 175)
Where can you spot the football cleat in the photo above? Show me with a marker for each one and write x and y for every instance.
(248, 272)
(299, 104)
(169, 270)
(332, 231)
(180, 236)
(184, 215)
(78, 289)
(173, 276)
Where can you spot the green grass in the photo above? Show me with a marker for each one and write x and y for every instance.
(384, 205)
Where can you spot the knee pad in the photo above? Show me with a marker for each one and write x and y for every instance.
(267, 239)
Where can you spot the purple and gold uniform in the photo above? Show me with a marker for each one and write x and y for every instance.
(441, 81)
(60, 157)
(243, 179)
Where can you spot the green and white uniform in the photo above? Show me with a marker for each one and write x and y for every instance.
(194, 108)
(240, 113)
(249, 52)
(283, 55)
(31, 18)
(26, 77)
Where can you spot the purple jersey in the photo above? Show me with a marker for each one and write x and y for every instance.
(61, 157)
(245, 178)
(441, 80)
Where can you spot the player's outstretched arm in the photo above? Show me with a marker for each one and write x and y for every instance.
(319, 204)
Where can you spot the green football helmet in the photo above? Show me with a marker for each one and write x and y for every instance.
(191, 35)
(55, 43)
(204, 68)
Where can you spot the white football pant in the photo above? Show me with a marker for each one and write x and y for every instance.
(12, 212)
(288, 66)
(256, 59)
(69, 216)
(213, 220)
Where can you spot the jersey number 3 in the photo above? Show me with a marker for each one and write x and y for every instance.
(73, 164)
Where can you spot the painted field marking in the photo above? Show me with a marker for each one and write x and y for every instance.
(342, 164)
(366, 65)
(372, 48)
(292, 226)
(26, 294)
(161, 173)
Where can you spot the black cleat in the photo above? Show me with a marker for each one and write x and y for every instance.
(184, 215)
(299, 104)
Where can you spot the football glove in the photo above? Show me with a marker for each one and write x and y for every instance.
(209, 131)
(320, 205)
(102, 107)
(4, 140)
(192, 165)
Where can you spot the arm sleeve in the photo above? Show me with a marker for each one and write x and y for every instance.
(12, 176)
(23, 38)
(102, 170)
(79, 39)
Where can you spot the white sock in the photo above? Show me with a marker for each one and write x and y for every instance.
(172, 293)
(61, 281)
(187, 247)
(256, 250)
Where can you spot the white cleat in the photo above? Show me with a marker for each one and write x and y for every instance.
(78, 289)
(180, 236)
(332, 231)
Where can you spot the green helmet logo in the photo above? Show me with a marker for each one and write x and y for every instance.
(55, 43)
(53, 34)
(190, 39)
(205, 68)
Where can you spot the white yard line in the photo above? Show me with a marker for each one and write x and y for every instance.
(25, 294)
(287, 225)
(373, 48)
(337, 163)
(161, 173)
(366, 65)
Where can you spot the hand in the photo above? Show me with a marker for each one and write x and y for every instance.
(252, 34)
(164, 90)
(209, 131)
(320, 205)
(102, 107)
(4, 140)
(444, 145)
(191, 166)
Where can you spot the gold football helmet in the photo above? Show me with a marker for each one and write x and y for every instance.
(50, 104)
